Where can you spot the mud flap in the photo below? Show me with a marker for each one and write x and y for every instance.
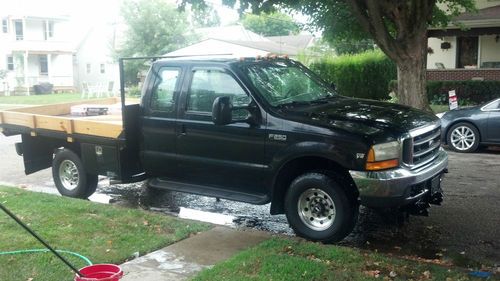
(37, 153)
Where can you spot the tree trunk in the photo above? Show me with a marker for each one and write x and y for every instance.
(412, 82)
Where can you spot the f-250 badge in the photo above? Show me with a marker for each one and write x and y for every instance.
(277, 137)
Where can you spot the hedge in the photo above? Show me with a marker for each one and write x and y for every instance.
(364, 75)
(468, 92)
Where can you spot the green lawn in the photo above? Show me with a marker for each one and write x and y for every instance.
(438, 108)
(103, 233)
(284, 259)
(40, 99)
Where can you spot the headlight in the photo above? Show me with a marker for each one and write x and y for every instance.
(383, 156)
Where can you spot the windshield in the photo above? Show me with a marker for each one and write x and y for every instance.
(283, 82)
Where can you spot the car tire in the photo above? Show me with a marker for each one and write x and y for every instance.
(463, 137)
(318, 208)
(70, 176)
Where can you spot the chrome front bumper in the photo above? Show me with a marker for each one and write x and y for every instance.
(398, 187)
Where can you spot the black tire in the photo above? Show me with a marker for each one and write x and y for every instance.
(318, 185)
(463, 146)
(85, 185)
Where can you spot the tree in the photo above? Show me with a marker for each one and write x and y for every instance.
(271, 24)
(206, 17)
(399, 28)
(154, 28)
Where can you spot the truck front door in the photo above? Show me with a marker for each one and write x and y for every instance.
(230, 156)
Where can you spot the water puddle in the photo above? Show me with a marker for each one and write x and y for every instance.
(374, 231)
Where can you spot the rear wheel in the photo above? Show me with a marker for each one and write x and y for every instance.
(70, 176)
(318, 208)
(463, 137)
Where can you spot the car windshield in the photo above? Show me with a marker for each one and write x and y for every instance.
(286, 83)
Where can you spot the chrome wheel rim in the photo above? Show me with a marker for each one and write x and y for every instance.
(462, 138)
(316, 209)
(68, 174)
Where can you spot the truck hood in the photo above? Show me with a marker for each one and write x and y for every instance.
(361, 116)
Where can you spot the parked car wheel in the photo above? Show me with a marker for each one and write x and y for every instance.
(463, 137)
(70, 176)
(317, 208)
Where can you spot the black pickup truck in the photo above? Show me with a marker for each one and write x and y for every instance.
(258, 131)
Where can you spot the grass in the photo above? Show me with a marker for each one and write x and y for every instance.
(284, 259)
(438, 108)
(103, 233)
(40, 99)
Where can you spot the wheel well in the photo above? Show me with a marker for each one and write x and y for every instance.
(461, 121)
(299, 166)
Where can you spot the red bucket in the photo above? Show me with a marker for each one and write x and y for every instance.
(100, 272)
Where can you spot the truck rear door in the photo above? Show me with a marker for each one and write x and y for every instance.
(159, 136)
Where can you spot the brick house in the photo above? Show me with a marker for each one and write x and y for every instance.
(471, 53)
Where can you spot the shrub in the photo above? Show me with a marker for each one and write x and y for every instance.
(468, 92)
(364, 75)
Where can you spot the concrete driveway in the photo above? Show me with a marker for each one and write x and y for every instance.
(465, 229)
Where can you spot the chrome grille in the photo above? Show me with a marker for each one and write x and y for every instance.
(422, 147)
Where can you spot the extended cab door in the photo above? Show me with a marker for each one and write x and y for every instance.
(159, 121)
(230, 156)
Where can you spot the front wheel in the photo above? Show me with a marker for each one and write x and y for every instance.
(317, 208)
(70, 176)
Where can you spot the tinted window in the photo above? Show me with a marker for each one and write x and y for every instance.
(163, 96)
(208, 84)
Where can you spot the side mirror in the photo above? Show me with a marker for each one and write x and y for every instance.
(222, 111)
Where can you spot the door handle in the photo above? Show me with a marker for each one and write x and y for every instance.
(183, 131)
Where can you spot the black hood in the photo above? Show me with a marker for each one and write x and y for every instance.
(366, 117)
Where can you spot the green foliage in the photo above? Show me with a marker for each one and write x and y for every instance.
(271, 24)
(206, 17)
(154, 28)
(133, 91)
(345, 46)
(363, 75)
(468, 92)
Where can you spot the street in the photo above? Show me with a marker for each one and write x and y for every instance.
(464, 230)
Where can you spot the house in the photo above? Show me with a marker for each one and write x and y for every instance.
(95, 64)
(467, 53)
(35, 50)
(299, 41)
(234, 41)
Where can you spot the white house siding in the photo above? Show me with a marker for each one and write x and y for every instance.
(97, 49)
(489, 48)
(446, 57)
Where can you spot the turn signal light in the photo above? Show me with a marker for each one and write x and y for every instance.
(372, 165)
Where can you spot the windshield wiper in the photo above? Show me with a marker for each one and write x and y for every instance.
(301, 103)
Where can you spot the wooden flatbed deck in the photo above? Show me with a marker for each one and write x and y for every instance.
(56, 117)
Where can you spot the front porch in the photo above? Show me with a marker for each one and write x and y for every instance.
(35, 68)
(457, 74)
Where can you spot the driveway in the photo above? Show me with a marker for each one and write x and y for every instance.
(465, 229)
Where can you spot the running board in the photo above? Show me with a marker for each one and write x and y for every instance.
(208, 191)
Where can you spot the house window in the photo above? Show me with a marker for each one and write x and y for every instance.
(48, 29)
(10, 63)
(89, 68)
(103, 68)
(467, 51)
(18, 25)
(44, 65)
(5, 26)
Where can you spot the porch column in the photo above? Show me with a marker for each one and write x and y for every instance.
(49, 68)
(25, 68)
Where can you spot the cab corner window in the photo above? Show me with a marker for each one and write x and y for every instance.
(208, 84)
(163, 95)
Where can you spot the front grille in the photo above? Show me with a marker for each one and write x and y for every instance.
(422, 148)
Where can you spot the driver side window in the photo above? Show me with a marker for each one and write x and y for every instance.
(208, 84)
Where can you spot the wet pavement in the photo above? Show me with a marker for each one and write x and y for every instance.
(464, 231)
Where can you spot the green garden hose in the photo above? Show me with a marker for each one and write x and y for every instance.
(45, 251)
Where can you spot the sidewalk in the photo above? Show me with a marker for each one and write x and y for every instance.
(186, 258)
